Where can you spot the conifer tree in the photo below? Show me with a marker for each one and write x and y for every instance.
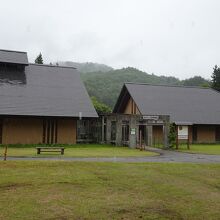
(39, 59)
(216, 78)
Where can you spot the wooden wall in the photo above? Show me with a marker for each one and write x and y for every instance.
(66, 131)
(131, 108)
(158, 134)
(205, 134)
(30, 131)
(22, 131)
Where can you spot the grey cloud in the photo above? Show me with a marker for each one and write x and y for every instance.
(169, 37)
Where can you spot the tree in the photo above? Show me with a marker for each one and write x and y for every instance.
(39, 59)
(172, 136)
(196, 81)
(100, 107)
(216, 78)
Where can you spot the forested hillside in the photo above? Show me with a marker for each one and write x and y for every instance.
(106, 86)
(104, 83)
(87, 67)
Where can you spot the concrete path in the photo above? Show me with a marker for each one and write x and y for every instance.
(165, 156)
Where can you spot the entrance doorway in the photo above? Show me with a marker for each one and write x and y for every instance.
(142, 136)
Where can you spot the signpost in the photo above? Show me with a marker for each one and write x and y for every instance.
(182, 134)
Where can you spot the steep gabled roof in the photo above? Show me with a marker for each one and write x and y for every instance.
(44, 90)
(13, 57)
(184, 104)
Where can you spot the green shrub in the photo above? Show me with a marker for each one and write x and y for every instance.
(172, 136)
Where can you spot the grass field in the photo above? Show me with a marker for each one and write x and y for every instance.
(201, 148)
(80, 151)
(80, 190)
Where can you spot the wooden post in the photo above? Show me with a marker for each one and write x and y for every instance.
(62, 151)
(140, 140)
(5, 153)
(188, 138)
(177, 140)
(38, 150)
(103, 124)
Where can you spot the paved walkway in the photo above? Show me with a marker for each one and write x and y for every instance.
(165, 156)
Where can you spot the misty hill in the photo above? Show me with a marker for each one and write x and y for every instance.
(106, 86)
(87, 67)
(105, 83)
(196, 81)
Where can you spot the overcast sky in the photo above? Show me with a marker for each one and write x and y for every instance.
(164, 37)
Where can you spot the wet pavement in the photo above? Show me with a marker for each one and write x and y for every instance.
(164, 156)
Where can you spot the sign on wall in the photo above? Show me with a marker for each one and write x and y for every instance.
(133, 131)
(151, 117)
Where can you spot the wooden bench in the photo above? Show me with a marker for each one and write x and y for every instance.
(50, 149)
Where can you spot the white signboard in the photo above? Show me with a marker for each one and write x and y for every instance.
(151, 117)
(133, 131)
(183, 132)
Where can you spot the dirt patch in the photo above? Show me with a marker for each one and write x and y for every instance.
(60, 218)
(74, 184)
(14, 186)
(104, 178)
(165, 212)
(123, 211)
(68, 183)
(141, 213)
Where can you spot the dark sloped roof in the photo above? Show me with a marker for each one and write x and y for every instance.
(183, 104)
(15, 57)
(42, 90)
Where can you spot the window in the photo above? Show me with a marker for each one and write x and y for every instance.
(84, 130)
(125, 132)
(105, 129)
(113, 130)
(50, 131)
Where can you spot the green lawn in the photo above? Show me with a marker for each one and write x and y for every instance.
(80, 151)
(201, 148)
(83, 190)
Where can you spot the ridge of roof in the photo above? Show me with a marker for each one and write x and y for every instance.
(48, 65)
(13, 51)
(165, 85)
